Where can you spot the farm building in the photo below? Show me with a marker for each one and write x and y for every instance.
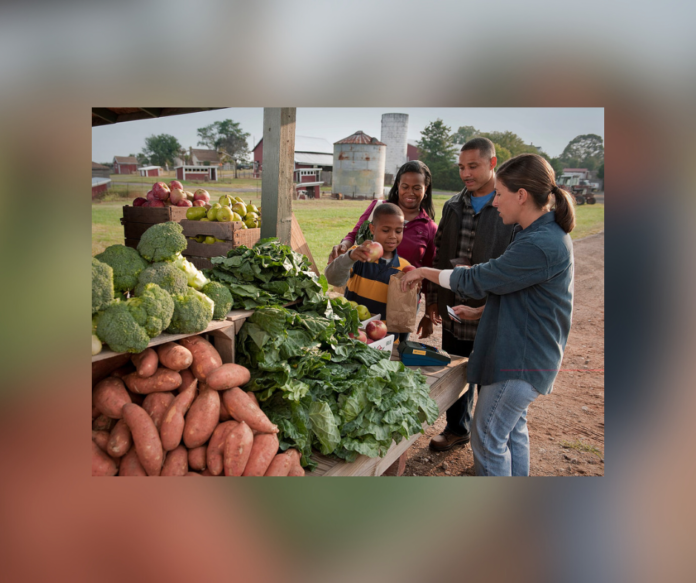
(359, 163)
(99, 185)
(200, 173)
(125, 165)
(205, 158)
(150, 171)
(412, 151)
(100, 171)
(581, 173)
(309, 153)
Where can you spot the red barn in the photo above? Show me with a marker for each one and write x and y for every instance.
(200, 173)
(150, 170)
(125, 165)
(99, 185)
(412, 152)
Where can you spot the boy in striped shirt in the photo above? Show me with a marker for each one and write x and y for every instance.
(368, 282)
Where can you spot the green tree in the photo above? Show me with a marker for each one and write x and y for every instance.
(161, 150)
(511, 142)
(600, 172)
(439, 154)
(227, 138)
(502, 154)
(464, 134)
(585, 151)
(143, 160)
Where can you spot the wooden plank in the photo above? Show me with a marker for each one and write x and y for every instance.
(278, 164)
(138, 214)
(200, 262)
(247, 237)
(135, 230)
(224, 342)
(213, 228)
(162, 338)
(299, 244)
(447, 385)
(196, 249)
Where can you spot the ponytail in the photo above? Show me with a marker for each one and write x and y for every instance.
(565, 209)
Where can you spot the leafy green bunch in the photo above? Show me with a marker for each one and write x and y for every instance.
(267, 273)
(328, 391)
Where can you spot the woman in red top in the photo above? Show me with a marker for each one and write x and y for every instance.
(413, 193)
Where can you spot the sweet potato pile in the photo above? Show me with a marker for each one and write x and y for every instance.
(177, 410)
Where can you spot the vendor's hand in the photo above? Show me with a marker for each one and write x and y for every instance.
(468, 313)
(425, 328)
(434, 313)
(360, 253)
(339, 249)
(411, 278)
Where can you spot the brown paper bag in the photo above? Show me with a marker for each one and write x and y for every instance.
(402, 307)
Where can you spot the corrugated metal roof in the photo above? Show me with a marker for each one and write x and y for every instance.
(96, 181)
(96, 166)
(314, 159)
(206, 155)
(149, 167)
(360, 137)
(314, 145)
(126, 159)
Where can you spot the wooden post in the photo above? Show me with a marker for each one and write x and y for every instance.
(278, 165)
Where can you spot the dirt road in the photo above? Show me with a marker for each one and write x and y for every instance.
(566, 428)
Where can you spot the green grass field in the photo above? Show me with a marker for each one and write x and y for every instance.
(324, 222)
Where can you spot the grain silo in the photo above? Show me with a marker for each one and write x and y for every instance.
(394, 135)
(358, 167)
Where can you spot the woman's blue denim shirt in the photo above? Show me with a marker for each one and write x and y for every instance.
(529, 305)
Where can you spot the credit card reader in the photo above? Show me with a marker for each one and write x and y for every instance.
(417, 354)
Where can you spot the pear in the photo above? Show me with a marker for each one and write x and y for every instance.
(226, 200)
(224, 214)
(251, 208)
(240, 209)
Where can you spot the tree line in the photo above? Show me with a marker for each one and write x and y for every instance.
(438, 152)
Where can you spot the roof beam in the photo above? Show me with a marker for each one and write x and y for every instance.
(152, 111)
(105, 114)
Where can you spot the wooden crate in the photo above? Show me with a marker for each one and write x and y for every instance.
(233, 235)
(136, 220)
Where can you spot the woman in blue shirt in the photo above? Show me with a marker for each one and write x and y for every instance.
(524, 327)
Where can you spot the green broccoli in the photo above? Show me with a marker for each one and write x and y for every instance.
(193, 311)
(152, 308)
(162, 242)
(102, 285)
(126, 263)
(120, 331)
(222, 298)
(165, 275)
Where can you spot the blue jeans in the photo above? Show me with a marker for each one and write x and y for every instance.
(499, 436)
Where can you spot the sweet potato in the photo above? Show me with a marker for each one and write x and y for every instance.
(205, 357)
(145, 363)
(296, 468)
(146, 439)
(224, 414)
(101, 438)
(123, 371)
(103, 423)
(109, 396)
(252, 396)
(163, 380)
(280, 465)
(172, 426)
(262, 453)
(137, 399)
(156, 405)
(186, 379)
(130, 465)
(120, 440)
(216, 445)
(242, 408)
(196, 458)
(237, 449)
(228, 376)
(202, 418)
(174, 356)
(96, 412)
(176, 462)
(102, 464)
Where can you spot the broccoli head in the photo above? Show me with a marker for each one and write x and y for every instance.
(118, 329)
(126, 263)
(193, 311)
(152, 309)
(165, 275)
(162, 242)
(102, 285)
(222, 298)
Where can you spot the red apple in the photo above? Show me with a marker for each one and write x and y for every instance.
(160, 190)
(361, 336)
(184, 202)
(374, 251)
(199, 203)
(157, 204)
(370, 341)
(150, 196)
(408, 268)
(140, 201)
(376, 330)
(176, 195)
(176, 184)
(201, 194)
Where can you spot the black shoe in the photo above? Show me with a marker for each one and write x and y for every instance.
(447, 440)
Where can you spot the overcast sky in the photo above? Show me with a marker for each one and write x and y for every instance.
(550, 128)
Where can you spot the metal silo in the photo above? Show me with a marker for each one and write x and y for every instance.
(358, 169)
(395, 135)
